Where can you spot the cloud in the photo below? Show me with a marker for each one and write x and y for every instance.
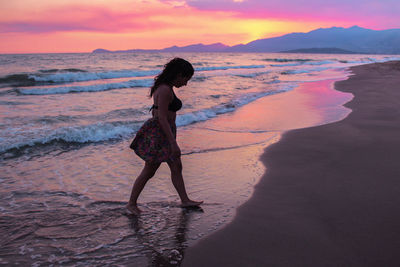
(40, 27)
(369, 12)
(175, 3)
(83, 18)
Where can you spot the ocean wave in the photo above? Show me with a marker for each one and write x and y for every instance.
(286, 65)
(288, 59)
(229, 67)
(302, 63)
(19, 79)
(206, 114)
(251, 75)
(93, 133)
(78, 75)
(87, 88)
(275, 80)
(301, 71)
(61, 70)
(367, 60)
(117, 130)
(322, 62)
(391, 58)
(120, 85)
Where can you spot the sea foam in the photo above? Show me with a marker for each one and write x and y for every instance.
(206, 114)
(116, 130)
(66, 77)
(87, 88)
(74, 134)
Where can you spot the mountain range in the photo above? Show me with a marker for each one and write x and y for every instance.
(324, 40)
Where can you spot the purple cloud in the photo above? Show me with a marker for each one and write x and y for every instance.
(80, 18)
(40, 27)
(384, 13)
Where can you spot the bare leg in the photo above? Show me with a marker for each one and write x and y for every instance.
(179, 184)
(148, 172)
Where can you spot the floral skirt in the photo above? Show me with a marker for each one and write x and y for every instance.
(150, 142)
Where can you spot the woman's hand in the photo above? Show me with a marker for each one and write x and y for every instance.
(175, 150)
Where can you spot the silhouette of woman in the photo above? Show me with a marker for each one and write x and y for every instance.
(155, 142)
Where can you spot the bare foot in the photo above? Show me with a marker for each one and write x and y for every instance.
(133, 209)
(191, 203)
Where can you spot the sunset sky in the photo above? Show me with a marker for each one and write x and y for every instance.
(36, 26)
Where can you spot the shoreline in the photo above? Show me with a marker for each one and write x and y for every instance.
(330, 194)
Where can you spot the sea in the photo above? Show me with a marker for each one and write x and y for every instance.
(66, 170)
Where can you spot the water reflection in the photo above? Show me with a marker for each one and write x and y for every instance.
(174, 256)
(61, 228)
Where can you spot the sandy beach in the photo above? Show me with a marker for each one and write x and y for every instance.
(331, 193)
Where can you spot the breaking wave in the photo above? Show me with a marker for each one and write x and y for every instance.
(300, 71)
(206, 114)
(87, 88)
(78, 75)
(118, 130)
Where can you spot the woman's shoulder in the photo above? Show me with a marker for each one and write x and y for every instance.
(164, 90)
(164, 86)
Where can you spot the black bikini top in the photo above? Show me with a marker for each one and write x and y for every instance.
(175, 105)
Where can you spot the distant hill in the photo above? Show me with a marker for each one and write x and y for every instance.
(217, 47)
(328, 50)
(354, 39)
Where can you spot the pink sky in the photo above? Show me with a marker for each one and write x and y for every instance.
(34, 26)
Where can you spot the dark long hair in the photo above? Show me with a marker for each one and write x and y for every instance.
(171, 70)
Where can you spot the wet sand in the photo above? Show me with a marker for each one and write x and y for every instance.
(331, 193)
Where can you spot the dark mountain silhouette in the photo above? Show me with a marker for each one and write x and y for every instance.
(217, 47)
(354, 39)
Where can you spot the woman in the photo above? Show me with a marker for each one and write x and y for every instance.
(156, 142)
